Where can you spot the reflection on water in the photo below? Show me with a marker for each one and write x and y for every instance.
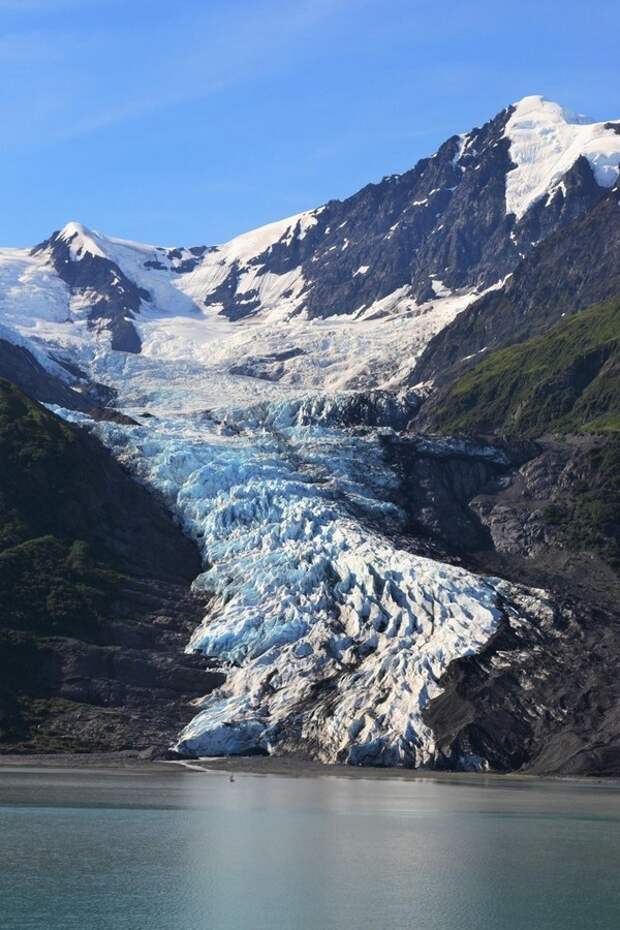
(135, 851)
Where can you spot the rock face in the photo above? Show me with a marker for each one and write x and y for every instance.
(126, 686)
(94, 579)
(543, 696)
(571, 269)
(104, 294)
(564, 499)
(378, 592)
(421, 231)
(437, 482)
(19, 366)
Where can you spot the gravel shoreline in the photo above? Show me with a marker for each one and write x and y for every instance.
(291, 767)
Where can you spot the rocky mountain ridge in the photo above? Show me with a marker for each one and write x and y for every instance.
(457, 223)
(371, 593)
(574, 268)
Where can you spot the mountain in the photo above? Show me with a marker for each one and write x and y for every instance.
(573, 268)
(401, 258)
(392, 562)
(95, 581)
(553, 517)
(460, 219)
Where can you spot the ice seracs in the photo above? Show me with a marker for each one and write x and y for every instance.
(545, 142)
(266, 436)
(334, 639)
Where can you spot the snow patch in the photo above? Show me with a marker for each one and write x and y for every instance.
(545, 142)
(81, 241)
(439, 288)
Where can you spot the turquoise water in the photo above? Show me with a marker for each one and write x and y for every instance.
(84, 851)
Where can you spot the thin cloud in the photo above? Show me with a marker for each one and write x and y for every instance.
(59, 94)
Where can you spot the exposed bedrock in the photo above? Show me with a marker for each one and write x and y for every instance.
(19, 365)
(95, 584)
(543, 694)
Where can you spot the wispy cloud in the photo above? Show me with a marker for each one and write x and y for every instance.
(71, 81)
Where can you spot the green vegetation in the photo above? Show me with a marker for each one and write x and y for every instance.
(48, 592)
(56, 577)
(565, 381)
(588, 510)
(80, 544)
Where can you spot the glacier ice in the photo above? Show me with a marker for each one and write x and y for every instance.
(333, 638)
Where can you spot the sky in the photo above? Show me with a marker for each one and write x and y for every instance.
(185, 123)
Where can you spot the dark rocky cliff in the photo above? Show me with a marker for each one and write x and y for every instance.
(94, 579)
(543, 696)
(573, 268)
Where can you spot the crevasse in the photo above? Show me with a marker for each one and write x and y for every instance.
(333, 638)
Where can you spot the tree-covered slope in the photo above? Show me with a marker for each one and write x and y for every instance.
(71, 521)
(94, 586)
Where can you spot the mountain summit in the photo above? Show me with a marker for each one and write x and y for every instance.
(546, 141)
(376, 594)
(458, 222)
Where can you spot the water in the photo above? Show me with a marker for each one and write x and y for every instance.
(141, 851)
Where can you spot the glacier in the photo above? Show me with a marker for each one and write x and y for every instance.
(333, 636)
(332, 625)
(262, 425)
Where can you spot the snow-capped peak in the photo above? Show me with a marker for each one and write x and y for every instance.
(81, 240)
(546, 140)
(249, 245)
(552, 111)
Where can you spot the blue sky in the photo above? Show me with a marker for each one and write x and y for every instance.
(188, 122)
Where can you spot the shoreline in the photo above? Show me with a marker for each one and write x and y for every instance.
(262, 766)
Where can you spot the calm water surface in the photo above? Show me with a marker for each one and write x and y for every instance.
(139, 851)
